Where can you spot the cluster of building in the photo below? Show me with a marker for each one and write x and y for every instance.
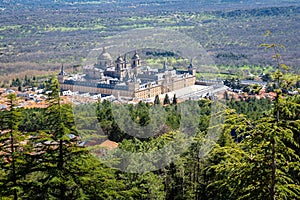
(127, 78)
(32, 98)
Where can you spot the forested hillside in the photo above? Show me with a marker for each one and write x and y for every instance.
(38, 36)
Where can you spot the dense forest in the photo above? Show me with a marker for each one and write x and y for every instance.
(205, 149)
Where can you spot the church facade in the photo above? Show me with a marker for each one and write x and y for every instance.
(128, 78)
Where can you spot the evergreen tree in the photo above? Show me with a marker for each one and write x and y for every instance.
(156, 100)
(12, 150)
(174, 101)
(167, 100)
(107, 122)
(58, 157)
(263, 164)
(147, 185)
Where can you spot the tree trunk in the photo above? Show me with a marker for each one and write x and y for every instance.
(13, 164)
(273, 183)
(60, 167)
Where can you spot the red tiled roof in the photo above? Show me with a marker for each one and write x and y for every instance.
(108, 144)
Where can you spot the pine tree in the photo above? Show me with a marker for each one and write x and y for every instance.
(12, 151)
(58, 155)
(282, 131)
(174, 101)
(263, 164)
(156, 100)
(167, 100)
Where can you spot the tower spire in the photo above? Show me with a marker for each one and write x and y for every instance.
(165, 67)
(191, 64)
(62, 72)
(125, 61)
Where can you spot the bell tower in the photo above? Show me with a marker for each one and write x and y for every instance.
(120, 68)
(62, 75)
(191, 69)
(136, 60)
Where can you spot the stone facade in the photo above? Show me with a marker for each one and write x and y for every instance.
(121, 78)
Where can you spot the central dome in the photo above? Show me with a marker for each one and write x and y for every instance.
(105, 56)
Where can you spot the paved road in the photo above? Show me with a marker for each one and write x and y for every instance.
(210, 90)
